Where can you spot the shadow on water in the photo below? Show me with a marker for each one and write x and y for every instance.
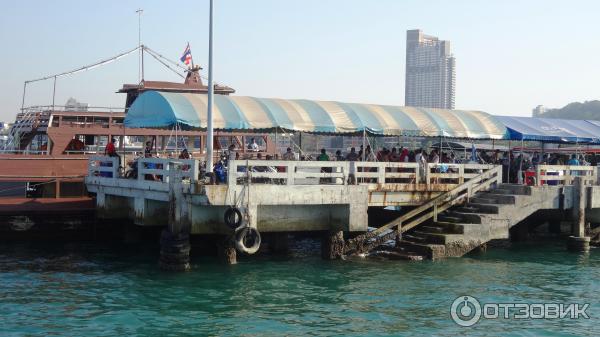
(117, 289)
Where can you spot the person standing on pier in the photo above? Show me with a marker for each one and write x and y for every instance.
(323, 156)
(111, 151)
(352, 155)
(288, 155)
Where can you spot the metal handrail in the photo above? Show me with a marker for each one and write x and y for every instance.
(426, 211)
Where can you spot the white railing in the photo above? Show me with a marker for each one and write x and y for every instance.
(283, 172)
(562, 174)
(339, 173)
(161, 169)
(103, 166)
(148, 169)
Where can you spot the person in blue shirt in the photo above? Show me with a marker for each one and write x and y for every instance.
(573, 161)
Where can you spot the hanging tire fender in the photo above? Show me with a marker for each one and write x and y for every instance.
(233, 218)
(240, 239)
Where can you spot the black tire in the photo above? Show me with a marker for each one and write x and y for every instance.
(241, 243)
(233, 218)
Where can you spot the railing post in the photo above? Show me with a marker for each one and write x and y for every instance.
(141, 168)
(232, 171)
(461, 173)
(435, 212)
(195, 170)
(115, 167)
(417, 175)
(290, 170)
(428, 176)
(381, 172)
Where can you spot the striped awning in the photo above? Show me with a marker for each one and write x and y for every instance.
(154, 109)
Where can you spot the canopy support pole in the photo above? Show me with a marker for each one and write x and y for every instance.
(209, 124)
(364, 146)
(509, 163)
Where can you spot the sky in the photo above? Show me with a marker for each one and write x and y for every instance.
(510, 55)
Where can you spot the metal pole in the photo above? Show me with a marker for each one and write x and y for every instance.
(142, 64)
(23, 99)
(364, 144)
(53, 93)
(209, 124)
(141, 49)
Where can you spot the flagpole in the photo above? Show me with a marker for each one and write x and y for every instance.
(209, 124)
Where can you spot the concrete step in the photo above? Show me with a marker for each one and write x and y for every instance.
(483, 208)
(400, 254)
(488, 198)
(414, 237)
(460, 228)
(516, 189)
(466, 209)
(431, 251)
(440, 239)
(463, 217)
(449, 218)
(433, 229)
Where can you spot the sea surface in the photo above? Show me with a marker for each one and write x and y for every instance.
(117, 290)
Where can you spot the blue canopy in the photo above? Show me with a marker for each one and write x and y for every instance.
(551, 129)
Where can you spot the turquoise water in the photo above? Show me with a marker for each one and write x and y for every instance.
(100, 290)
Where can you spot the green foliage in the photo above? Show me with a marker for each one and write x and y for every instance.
(576, 110)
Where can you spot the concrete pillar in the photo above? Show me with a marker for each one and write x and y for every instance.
(332, 245)
(226, 251)
(578, 241)
(175, 240)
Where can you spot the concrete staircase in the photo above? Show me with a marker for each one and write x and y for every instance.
(486, 216)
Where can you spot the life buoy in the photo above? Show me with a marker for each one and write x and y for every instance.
(233, 218)
(247, 240)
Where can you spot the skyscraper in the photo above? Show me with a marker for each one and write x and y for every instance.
(430, 72)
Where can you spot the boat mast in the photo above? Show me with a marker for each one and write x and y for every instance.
(140, 46)
(209, 124)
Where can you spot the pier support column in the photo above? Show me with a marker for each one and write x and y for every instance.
(175, 240)
(578, 241)
(227, 252)
(332, 245)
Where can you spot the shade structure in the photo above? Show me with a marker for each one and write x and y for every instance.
(154, 109)
(551, 129)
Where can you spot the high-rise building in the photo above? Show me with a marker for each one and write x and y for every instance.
(430, 72)
(538, 111)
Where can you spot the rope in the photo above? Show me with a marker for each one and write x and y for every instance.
(176, 64)
(164, 64)
(88, 67)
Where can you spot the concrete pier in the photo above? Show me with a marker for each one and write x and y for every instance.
(457, 211)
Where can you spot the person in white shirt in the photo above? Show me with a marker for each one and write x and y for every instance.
(253, 146)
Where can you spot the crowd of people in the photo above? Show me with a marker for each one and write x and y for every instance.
(514, 165)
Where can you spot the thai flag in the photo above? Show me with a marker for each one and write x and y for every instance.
(187, 55)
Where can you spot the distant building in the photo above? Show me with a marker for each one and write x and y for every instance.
(73, 105)
(430, 72)
(538, 111)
